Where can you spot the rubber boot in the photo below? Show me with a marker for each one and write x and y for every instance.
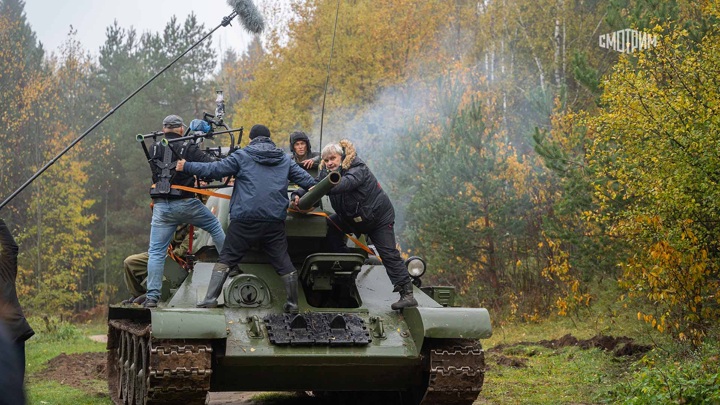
(140, 299)
(235, 271)
(406, 296)
(291, 288)
(217, 279)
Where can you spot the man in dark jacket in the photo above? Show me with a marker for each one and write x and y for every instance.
(172, 206)
(362, 207)
(258, 207)
(302, 152)
(15, 327)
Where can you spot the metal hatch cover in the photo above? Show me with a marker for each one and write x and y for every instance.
(317, 329)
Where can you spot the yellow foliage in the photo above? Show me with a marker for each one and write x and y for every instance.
(288, 84)
(652, 143)
(558, 269)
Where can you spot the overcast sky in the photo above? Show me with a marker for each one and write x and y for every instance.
(51, 20)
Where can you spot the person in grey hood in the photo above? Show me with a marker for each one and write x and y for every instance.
(258, 207)
(301, 150)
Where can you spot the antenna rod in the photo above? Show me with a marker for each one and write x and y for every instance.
(224, 23)
(327, 80)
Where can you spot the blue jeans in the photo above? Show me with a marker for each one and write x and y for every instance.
(167, 215)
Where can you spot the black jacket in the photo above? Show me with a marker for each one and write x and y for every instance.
(12, 314)
(358, 199)
(188, 151)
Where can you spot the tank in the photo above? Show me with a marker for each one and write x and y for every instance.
(346, 342)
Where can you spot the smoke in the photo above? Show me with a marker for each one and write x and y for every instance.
(380, 129)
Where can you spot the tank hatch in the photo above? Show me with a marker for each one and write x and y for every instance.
(328, 280)
(317, 329)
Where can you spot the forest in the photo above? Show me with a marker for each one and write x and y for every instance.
(527, 162)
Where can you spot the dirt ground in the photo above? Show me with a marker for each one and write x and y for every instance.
(79, 370)
(619, 346)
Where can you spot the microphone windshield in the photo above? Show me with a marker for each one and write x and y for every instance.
(250, 17)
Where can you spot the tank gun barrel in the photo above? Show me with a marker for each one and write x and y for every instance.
(320, 189)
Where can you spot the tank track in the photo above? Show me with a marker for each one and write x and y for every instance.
(143, 370)
(456, 372)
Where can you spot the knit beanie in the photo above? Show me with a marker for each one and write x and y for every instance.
(259, 130)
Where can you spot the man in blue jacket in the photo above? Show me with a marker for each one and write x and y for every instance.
(258, 207)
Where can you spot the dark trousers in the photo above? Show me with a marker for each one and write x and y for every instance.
(12, 370)
(20, 353)
(269, 236)
(382, 237)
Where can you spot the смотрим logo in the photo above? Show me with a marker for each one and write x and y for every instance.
(628, 40)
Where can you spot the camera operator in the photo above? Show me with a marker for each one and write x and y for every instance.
(173, 207)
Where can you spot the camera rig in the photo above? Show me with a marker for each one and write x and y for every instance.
(196, 132)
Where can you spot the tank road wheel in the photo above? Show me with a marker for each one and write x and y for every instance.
(130, 371)
(454, 370)
(144, 371)
(124, 361)
(143, 351)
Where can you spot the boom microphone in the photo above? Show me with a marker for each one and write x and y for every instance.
(250, 17)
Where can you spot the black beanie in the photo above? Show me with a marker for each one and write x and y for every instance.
(259, 130)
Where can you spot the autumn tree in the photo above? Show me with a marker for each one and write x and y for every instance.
(287, 90)
(120, 174)
(235, 74)
(21, 69)
(184, 89)
(577, 248)
(656, 147)
(645, 15)
(120, 171)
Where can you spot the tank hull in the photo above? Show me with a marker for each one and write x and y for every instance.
(345, 339)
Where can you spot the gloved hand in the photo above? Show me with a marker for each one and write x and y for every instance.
(199, 125)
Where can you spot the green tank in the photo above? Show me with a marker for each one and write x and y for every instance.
(346, 342)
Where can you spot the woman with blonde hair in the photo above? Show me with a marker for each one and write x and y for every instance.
(362, 207)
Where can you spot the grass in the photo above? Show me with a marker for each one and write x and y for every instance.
(564, 376)
(568, 375)
(51, 339)
(606, 317)
(54, 393)
(37, 353)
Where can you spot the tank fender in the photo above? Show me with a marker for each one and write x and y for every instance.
(447, 323)
(189, 324)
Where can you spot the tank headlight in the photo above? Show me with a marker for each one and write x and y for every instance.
(415, 266)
